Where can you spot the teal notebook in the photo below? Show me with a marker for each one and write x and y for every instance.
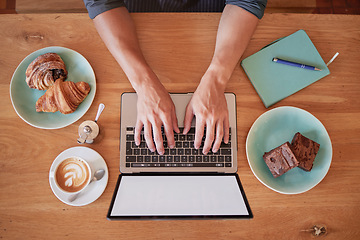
(274, 81)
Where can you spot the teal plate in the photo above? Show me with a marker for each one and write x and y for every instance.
(276, 127)
(24, 98)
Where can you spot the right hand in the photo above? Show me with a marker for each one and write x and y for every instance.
(154, 110)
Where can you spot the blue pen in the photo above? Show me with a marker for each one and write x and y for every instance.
(294, 64)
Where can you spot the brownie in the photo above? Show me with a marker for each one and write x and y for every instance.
(280, 160)
(305, 151)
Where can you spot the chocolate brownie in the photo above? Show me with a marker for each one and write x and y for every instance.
(280, 160)
(305, 151)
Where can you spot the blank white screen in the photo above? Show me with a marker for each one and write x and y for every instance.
(179, 196)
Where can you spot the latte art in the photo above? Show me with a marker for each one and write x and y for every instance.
(72, 174)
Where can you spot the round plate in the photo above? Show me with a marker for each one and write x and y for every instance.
(95, 189)
(24, 98)
(276, 127)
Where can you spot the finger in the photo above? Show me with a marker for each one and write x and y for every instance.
(169, 132)
(138, 128)
(219, 136)
(199, 133)
(175, 122)
(148, 137)
(189, 115)
(210, 129)
(158, 138)
(226, 130)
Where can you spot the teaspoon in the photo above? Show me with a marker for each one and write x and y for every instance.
(97, 176)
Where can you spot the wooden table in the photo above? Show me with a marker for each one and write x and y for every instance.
(179, 48)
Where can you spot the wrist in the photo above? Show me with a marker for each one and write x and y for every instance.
(217, 75)
(146, 82)
(223, 66)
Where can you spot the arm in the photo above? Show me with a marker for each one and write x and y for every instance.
(155, 107)
(208, 103)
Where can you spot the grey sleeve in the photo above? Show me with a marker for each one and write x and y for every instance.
(256, 7)
(95, 7)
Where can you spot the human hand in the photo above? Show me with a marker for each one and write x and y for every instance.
(209, 106)
(154, 110)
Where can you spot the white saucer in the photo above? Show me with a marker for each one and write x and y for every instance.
(95, 189)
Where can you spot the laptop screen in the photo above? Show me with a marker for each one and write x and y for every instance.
(179, 196)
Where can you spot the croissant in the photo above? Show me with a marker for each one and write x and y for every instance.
(45, 70)
(63, 96)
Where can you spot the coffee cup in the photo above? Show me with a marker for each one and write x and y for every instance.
(71, 175)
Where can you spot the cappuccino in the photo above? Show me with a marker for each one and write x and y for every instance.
(72, 174)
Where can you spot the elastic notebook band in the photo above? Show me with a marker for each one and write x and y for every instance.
(332, 59)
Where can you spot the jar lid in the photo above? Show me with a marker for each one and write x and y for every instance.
(88, 131)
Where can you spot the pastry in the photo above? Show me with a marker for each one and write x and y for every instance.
(63, 96)
(45, 70)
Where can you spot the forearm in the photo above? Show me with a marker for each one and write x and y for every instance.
(117, 30)
(234, 33)
(154, 105)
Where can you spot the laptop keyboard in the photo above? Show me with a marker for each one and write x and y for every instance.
(182, 155)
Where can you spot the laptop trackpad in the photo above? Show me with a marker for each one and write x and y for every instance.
(142, 196)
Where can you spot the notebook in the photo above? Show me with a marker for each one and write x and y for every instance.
(179, 184)
(273, 81)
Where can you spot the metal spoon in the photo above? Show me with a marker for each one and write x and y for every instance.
(100, 109)
(97, 176)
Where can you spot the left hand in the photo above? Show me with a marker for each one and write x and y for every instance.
(209, 106)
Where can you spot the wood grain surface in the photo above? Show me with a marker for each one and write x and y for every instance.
(179, 48)
(53, 6)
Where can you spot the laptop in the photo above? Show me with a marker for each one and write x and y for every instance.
(182, 183)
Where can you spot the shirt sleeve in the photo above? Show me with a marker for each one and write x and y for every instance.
(95, 7)
(256, 7)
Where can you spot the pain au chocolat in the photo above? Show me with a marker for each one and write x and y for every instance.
(42, 73)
